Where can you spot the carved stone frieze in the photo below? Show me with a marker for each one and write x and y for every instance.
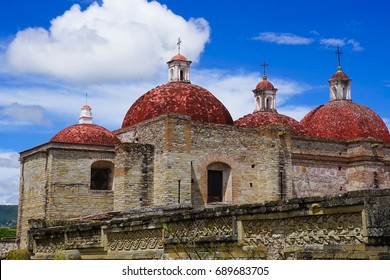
(337, 229)
(135, 240)
(198, 228)
(49, 245)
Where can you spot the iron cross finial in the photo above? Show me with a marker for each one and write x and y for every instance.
(339, 53)
(178, 45)
(265, 65)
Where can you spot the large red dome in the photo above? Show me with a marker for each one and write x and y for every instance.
(90, 134)
(259, 118)
(346, 120)
(180, 98)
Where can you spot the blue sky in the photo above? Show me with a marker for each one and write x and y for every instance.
(53, 52)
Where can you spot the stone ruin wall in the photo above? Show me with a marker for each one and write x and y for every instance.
(6, 245)
(352, 226)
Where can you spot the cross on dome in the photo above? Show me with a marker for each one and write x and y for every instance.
(178, 45)
(339, 53)
(264, 65)
(179, 67)
(340, 83)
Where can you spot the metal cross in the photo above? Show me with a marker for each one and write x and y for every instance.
(178, 45)
(339, 53)
(265, 65)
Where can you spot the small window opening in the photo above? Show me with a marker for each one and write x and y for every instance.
(102, 175)
(267, 104)
(215, 187)
(181, 75)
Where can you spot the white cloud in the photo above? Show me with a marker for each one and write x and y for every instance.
(283, 38)
(293, 39)
(334, 42)
(17, 114)
(9, 177)
(355, 45)
(117, 40)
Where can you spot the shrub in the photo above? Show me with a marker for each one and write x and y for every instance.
(67, 255)
(19, 254)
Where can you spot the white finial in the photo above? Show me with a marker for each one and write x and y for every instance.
(85, 113)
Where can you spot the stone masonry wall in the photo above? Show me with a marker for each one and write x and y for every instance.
(55, 184)
(7, 245)
(323, 167)
(134, 171)
(32, 193)
(354, 225)
(183, 150)
(69, 193)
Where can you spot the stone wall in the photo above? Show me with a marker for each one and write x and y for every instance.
(323, 167)
(183, 151)
(6, 245)
(134, 172)
(32, 192)
(355, 225)
(55, 184)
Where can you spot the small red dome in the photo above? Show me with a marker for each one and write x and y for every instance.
(90, 134)
(179, 57)
(259, 119)
(264, 84)
(180, 98)
(340, 75)
(346, 120)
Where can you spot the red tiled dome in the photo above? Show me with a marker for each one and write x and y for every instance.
(258, 119)
(346, 120)
(90, 134)
(179, 57)
(340, 75)
(264, 84)
(180, 98)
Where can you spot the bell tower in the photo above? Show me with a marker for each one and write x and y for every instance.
(340, 83)
(179, 67)
(85, 113)
(265, 94)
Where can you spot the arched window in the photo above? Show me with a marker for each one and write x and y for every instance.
(267, 104)
(334, 93)
(181, 75)
(102, 175)
(171, 75)
(219, 182)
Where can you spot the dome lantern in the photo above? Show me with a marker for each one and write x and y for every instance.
(179, 67)
(265, 94)
(340, 83)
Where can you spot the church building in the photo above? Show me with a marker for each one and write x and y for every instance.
(178, 146)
